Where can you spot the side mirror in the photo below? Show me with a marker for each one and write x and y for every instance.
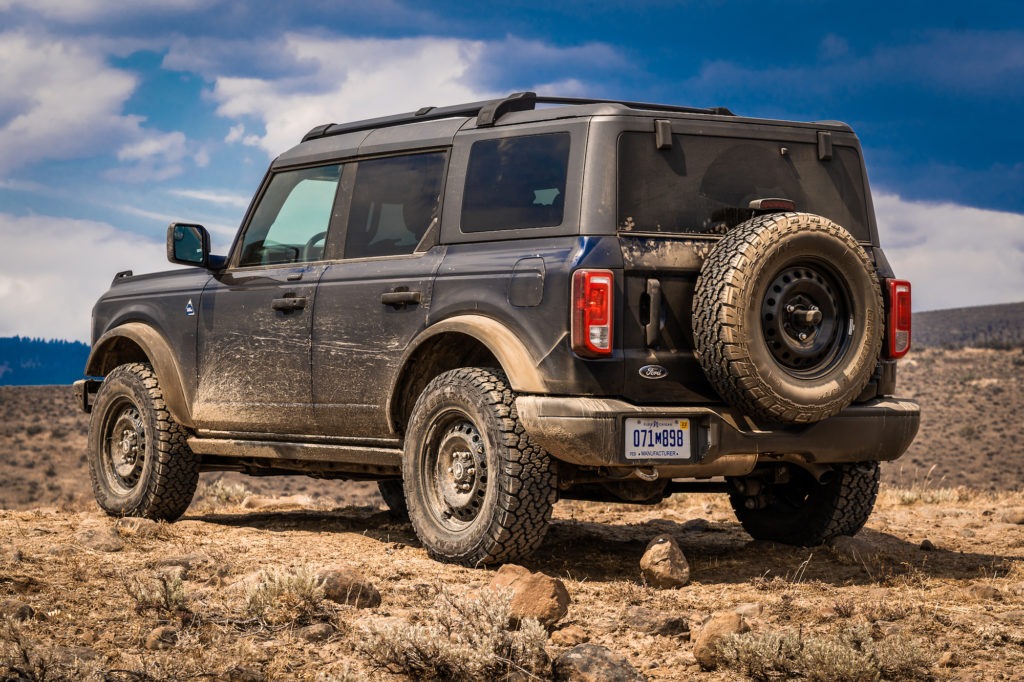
(188, 244)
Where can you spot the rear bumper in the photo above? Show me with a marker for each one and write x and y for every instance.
(590, 432)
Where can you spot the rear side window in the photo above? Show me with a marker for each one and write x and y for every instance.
(394, 201)
(516, 182)
(704, 184)
(290, 222)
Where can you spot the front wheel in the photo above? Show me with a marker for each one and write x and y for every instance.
(798, 510)
(479, 491)
(139, 460)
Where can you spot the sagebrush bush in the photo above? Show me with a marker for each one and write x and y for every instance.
(462, 638)
(287, 598)
(164, 594)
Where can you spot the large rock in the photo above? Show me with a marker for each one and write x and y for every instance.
(720, 626)
(16, 610)
(652, 622)
(1013, 515)
(594, 663)
(345, 585)
(663, 564)
(103, 539)
(853, 550)
(534, 595)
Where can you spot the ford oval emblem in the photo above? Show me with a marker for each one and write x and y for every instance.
(653, 372)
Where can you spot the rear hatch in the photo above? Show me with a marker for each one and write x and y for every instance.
(674, 203)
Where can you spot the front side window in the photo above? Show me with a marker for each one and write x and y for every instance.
(705, 184)
(516, 182)
(291, 220)
(394, 201)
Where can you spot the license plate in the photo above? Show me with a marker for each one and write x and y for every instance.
(657, 438)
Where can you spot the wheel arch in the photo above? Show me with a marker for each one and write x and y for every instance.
(139, 342)
(463, 341)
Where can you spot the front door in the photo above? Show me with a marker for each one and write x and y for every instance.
(255, 318)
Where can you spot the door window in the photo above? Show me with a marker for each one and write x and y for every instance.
(291, 220)
(394, 201)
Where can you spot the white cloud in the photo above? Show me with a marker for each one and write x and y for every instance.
(347, 79)
(58, 101)
(56, 268)
(223, 198)
(85, 10)
(954, 256)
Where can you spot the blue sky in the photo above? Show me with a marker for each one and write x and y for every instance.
(116, 118)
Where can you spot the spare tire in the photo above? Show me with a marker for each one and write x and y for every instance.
(787, 318)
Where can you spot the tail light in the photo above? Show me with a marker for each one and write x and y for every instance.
(899, 318)
(592, 313)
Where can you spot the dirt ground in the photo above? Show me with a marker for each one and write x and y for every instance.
(936, 582)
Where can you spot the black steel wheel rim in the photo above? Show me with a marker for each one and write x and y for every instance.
(806, 319)
(456, 470)
(124, 446)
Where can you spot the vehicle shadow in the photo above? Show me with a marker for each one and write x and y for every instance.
(718, 552)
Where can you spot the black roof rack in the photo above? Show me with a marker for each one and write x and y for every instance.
(488, 112)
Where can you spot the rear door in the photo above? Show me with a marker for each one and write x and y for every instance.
(256, 317)
(374, 296)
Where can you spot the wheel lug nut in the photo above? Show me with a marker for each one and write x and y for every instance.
(803, 336)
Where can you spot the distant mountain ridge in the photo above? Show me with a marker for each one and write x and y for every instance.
(988, 326)
(38, 362)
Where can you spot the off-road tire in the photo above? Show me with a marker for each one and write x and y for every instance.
(139, 460)
(393, 492)
(466, 419)
(807, 513)
(760, 289)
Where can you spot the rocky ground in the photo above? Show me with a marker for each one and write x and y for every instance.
(268, 579)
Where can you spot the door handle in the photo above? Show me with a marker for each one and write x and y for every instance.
(399, 299)
(288, 303)
(653, 326)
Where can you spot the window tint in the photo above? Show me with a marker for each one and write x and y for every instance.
(516, 182)
(705, 184)
(394, 201)
(290, 222)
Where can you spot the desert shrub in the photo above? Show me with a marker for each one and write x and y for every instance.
(220, 494)
(848, 656)
(34, 429)
(462, 638)
(164, 594)
(287, 598)
(22, 659)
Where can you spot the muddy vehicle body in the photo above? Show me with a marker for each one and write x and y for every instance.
(491, 306)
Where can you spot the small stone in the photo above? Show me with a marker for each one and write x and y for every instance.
(852, 550)
(948, 660)
(663, 564)
(986, 592)
(651, 622)
(594, 663)
(967, 533)
(720, 626)
(100, 539)
(317, 632)
(570, 635)
(927, 545)
(749, 610)
(16, 610)
(534, 595)
(136, 527)
(1014, 515)
(163, 637)
(1014, 617)
(345, 585)
(72, 655)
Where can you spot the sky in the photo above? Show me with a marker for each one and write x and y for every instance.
(117, 118)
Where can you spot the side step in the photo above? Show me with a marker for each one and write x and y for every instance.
(329, 454)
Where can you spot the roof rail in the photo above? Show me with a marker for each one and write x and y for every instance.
(488, 112)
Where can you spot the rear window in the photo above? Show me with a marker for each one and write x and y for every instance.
(516, 182)
(704, 185)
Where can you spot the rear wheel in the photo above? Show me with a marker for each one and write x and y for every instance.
(796, 509)
(139, 460)
(479, 491)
